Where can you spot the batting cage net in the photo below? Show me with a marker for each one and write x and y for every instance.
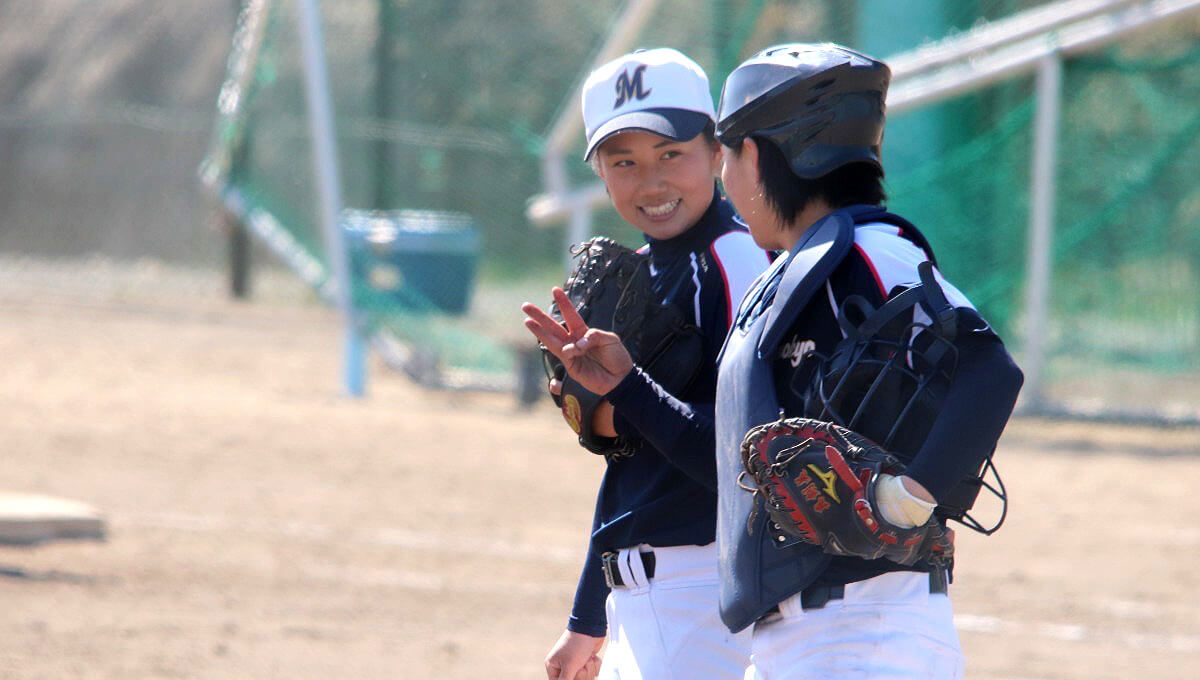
(442, 111)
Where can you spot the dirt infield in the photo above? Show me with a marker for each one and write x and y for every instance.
(264, 526)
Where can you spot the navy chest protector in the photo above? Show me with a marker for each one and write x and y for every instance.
(761, 567)
(756, 574)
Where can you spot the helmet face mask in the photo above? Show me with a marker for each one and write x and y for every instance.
(822, 105)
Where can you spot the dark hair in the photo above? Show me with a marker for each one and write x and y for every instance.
(787, 194)
(709, 132)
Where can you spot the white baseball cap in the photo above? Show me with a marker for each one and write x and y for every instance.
(659, 90)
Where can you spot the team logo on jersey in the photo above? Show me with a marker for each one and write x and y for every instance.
(573, 413)
(630, 88)
(795, 350)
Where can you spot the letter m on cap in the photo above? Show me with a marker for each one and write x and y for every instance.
(629, 88)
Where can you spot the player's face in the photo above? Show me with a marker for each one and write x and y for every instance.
(658, 185)
(739, 177)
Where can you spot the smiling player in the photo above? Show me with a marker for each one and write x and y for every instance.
(650, 579)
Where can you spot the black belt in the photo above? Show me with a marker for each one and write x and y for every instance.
(612, 572)
(816, 597)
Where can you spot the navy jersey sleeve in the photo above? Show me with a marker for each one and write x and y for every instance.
(984, 390)
(977, 407)
(682, 432)
(681, 429)
(588, 615)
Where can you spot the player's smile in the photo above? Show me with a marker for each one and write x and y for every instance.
(661, 212)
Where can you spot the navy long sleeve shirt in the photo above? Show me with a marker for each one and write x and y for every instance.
(665, 494)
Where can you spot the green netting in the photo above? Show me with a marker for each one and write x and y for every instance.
(442, 108)
(1125, 315)
(976, 222)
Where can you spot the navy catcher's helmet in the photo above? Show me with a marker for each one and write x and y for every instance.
(821, 104)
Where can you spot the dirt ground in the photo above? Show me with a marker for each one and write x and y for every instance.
(265, 526)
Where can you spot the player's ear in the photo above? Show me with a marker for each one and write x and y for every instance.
(718, 156)
(749, 150)
(749, 158)
(597, 166)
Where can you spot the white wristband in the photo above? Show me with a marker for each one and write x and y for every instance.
(898, 506)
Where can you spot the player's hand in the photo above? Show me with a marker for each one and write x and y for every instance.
(596, 359)
(574, 657)
(590, 670)
(602, 418)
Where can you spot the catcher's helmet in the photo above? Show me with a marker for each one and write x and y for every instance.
(821, 104)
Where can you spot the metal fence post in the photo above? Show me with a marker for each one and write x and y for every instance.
(1041, 227)
(329, 189)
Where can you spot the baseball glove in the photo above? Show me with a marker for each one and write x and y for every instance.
(818, 482)
(612, 289)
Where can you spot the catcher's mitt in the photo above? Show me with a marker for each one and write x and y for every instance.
(612, 289)
(818, 482)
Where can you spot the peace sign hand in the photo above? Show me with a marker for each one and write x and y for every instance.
(596, 359)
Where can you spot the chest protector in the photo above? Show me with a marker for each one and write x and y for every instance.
(760, 567)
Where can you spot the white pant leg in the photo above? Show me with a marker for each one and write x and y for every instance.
(668, 627)
(885, 628)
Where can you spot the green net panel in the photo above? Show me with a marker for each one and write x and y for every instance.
(1124, 325)
(442, 110)
(1127, 256)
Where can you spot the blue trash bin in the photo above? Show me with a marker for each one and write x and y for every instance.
(420, 260)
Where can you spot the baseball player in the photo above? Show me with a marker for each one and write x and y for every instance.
(649, 582)
(802, 125)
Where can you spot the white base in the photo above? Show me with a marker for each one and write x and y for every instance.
(29, 519)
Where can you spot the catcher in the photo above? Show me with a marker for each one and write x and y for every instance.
(859, 393)
(649, 581)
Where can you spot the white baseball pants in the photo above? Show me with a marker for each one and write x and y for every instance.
(668, 627)
(885, 628)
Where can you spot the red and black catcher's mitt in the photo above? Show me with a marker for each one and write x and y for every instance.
(818, 482)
